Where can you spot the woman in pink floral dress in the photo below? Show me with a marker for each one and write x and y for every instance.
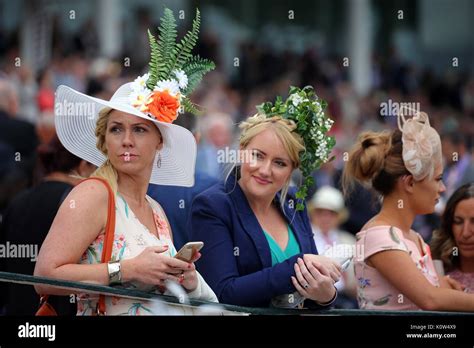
(393, 265)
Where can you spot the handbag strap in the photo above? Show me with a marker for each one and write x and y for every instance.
(109, 236)
(108, 240)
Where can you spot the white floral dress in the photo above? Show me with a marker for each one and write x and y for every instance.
(131, 238)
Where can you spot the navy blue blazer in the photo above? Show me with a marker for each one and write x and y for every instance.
(236, 260)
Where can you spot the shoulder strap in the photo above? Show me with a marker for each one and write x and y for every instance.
(108, 240)
(109, 236)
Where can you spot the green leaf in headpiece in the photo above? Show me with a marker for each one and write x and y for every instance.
(169, 57)
(156, 62)
(190, 107)
(186, 45)
(195, 69)
(167, 42)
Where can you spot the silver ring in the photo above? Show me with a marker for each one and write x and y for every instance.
(306, 286)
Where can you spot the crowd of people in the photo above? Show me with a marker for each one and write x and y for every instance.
(386, 203)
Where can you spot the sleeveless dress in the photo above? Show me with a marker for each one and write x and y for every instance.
(373, 290)
(130, 239)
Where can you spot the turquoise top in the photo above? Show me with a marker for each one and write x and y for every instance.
(278, 255)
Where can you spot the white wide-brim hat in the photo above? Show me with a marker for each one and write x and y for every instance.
(330, 198)
(75, 119)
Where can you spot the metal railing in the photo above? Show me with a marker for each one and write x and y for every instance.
(142, 295)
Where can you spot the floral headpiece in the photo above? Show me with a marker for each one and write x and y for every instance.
(306, 110)
(174, 72)
(421, 144)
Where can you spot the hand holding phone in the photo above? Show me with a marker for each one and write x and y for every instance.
(341, 256)
(346, 263)
(187, 252)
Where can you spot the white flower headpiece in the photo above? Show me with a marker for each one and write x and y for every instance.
(306, 110)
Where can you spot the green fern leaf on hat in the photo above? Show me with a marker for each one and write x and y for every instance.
(185, 47)
(195, 69)
(169, 57)
(167, 43)
(156, 62)
(190, 107)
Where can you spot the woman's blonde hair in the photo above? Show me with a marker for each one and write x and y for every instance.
(284, 130)
(376, 161)
(106, 170)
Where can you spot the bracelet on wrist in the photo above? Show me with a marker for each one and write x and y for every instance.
(330, 301)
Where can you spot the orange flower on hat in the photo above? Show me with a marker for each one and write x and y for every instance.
(163, 106)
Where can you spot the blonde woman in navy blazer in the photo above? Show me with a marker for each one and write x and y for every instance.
(248, 222)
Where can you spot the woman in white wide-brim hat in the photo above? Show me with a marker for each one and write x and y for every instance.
(133, 142)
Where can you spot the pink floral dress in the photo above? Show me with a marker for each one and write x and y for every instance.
(131, 238)
(373, 290)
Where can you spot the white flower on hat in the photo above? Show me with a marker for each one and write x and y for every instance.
(139, 84)
(328, 124)
(139, 99)
(182, 78)
(171, 86)
(296, 99)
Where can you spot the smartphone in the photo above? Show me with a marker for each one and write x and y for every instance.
(342, 256)
(345, 264)
(188, 250)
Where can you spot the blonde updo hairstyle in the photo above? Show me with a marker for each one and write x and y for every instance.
(285, 131)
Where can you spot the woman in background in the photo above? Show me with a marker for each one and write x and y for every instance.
(454, 242)
(29, 217)
(327, 212)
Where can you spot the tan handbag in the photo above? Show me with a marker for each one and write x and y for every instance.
(45, 308)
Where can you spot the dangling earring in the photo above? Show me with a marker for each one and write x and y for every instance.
(158, 162)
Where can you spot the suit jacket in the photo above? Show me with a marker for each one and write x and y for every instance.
(236, 260)
(176, 202)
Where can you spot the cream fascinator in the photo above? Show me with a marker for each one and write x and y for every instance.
(421, 143)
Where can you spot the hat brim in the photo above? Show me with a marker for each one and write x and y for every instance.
(75, 120)
(342, 214)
